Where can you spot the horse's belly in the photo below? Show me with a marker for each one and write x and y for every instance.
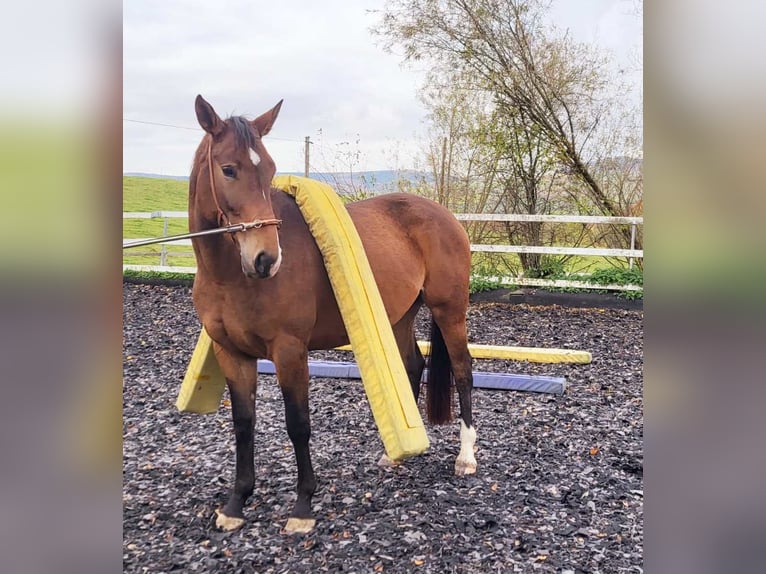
(329, 331)
(398, 292)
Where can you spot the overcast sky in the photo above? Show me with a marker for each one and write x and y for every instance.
(243, 56)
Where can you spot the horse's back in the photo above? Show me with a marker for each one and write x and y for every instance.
(413, 245)
(408, 218)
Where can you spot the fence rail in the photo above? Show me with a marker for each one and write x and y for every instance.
(520, 217)
(631, 253)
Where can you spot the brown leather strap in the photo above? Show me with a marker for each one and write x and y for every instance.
(222, 217)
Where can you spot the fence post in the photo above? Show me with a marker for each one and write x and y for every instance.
(164, 248)
(632, 243)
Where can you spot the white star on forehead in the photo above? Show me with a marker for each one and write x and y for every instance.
(254, 157)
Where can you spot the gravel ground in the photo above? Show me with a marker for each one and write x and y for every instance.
(559, 486)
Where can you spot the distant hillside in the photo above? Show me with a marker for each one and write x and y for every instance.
(155, 176)
(142, 193)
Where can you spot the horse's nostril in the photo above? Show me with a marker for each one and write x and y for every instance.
(263, 263)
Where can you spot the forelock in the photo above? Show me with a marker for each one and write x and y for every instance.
(243, 131)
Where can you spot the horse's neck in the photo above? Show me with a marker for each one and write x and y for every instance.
(215, 259)
(217, 256)
(197, 207)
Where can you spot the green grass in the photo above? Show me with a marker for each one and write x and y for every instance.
(481, 283)
(150, 194)
(157, 275)
(508, 264)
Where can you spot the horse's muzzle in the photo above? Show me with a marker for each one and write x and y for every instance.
(264, 265)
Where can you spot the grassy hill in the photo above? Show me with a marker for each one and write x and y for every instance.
(149, 194)
(154, 194)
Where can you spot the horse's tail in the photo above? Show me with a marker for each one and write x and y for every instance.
(440, 380)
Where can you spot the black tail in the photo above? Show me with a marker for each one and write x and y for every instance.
(440, 380)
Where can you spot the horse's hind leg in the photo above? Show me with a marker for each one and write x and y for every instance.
(241, 374)
(404, 333)
(450, 318)
(290, 358)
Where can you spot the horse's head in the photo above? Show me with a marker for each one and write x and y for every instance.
(239, 173)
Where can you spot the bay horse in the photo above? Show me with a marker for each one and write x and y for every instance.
(264, 293)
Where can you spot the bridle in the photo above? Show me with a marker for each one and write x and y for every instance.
(223, 219)
(225, 225)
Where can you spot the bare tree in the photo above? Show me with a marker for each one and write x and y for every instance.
(337, 165)
(483, 160)
(463, 169)
(526, 162)
(543, 78)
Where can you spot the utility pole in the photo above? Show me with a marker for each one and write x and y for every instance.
(306, 155)
(441, 190)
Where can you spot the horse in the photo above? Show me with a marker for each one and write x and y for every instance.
(263, 293)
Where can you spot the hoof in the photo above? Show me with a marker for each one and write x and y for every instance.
(386, 462)
(299, 525)
(463, 468)
(228, 523)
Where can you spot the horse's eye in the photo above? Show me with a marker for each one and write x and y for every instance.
(229, 171)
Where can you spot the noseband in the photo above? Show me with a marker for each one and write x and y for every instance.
(222, 217)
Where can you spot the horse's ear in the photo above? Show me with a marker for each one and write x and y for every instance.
(207, 117)
(264, 122)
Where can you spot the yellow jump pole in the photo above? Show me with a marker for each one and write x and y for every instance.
(531, 354)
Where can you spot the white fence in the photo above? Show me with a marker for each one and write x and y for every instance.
(631, 253)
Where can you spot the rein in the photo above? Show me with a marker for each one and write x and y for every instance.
(222, 218)
(231, 228)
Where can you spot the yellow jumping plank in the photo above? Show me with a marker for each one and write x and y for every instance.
(204, 382)
(531, 354)
(385, 380)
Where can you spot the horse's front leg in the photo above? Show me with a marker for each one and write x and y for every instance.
(290, 358)
(241, 374)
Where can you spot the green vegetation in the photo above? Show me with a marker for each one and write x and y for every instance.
(483, 279)
(481, 283)
(553, 266)
(548, 267)
(150, 194)
(617, 276)
(604, 276)
(158, 275)
(489, 268)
